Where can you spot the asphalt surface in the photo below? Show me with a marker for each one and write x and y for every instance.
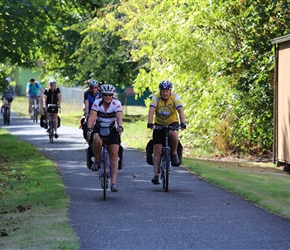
(192, 215)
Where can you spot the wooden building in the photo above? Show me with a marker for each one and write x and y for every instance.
(281, 146)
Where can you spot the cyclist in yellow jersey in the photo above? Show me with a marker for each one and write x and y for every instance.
(165, 107)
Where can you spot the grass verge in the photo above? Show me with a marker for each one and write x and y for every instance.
(34, 205)
(263, 184)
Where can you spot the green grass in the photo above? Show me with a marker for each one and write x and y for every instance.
(34, 205)
(263, 184)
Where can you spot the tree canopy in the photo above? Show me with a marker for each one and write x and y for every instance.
(217, 53)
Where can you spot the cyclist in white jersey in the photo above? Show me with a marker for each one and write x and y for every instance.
(106, 109)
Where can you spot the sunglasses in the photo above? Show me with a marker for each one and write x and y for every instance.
(108, 94)
(94, 87)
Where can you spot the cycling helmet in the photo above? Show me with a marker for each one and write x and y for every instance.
(52, 82)
(165, 85)
(93, 83)
(8, 79)
(107, 89)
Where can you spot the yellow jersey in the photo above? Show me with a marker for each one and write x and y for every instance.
(166, 113)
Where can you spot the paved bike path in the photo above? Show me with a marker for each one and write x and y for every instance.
(192, 215)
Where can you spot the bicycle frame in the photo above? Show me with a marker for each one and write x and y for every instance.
(6, 112)
(165, 161)
(105, 169)
(51, 123)
(35, 111)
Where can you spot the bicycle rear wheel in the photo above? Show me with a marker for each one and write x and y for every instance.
(105, 159)
(167, 169)
(6, 116)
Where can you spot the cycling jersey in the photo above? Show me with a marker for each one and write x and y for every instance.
(9, 93)
(51, 95)
(33, 89)
(90, 97)
(110, 114)
(165, 113)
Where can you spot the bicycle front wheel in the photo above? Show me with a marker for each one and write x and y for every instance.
(167, 169)
(35, 115)
(5, 116)
(105, 160)
(51, 135)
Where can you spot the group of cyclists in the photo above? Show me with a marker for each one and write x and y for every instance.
(103, 107)
(50, 95)
(100, 105)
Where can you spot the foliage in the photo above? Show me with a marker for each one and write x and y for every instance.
(220, 58)
(217, 53)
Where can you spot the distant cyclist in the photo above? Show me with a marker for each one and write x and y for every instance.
(51, 95)
(8, 94)
(33, 90)
(90, 95)
(109, 110)
(165, 106)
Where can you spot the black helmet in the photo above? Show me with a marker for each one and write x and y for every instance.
(52, 82)
(93, 83)
(165, 85)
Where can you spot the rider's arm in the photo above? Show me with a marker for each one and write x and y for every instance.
(119, 120)
(44, 98)
(151, 114)
(27, 90)
(150, 117)
(58, 99)
(181, 114)
(92, 118)
(86, 102)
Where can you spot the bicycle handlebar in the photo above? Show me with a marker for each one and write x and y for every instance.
(169, 127)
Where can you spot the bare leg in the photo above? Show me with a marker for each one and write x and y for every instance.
(113, 154)
(156, 157)
(97, 146)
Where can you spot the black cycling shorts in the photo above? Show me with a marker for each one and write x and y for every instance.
(114, 137)
(8, 99)
(159, 135)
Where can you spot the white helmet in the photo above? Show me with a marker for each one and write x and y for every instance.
(8, 79)
(107, 89)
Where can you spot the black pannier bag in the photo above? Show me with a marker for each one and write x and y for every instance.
(58, 125)
(42, 118)
(120, 156)
(149, 152)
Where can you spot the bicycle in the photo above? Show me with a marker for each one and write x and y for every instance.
(52, 109)
(35, 109)
(6, 113)
(105, 169)
(165, 161)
